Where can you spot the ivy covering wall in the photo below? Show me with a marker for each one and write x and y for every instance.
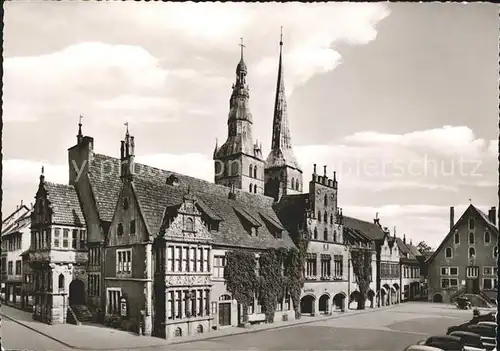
(361, 260)
(280, 271)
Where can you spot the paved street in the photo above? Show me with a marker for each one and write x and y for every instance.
(385, 330)
(17, 337)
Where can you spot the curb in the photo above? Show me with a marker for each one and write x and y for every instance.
(208, 338)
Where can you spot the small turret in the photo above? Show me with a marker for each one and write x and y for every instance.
(127, 156)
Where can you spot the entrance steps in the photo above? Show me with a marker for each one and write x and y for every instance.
(478, 300)
(78, 314)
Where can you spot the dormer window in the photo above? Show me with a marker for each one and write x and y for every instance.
(125, 203)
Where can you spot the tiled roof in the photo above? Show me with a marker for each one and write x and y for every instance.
(155, 196)
(22, 208)
(408, 249)
(489, 223)
(64, 203)
(356, 234)
(106, 183)
(369, 229)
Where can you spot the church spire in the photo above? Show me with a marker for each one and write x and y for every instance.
(79, 137)
(281, 146)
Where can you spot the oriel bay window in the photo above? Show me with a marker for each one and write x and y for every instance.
(65, 238)
(57, 237)
(187, 259)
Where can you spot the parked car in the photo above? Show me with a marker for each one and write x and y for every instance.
(444, 342)
(422, 348)
(488, 323)
(488, 334)
(471, 341)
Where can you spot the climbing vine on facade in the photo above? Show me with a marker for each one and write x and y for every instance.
(241, 278)
(361, 260)
(280, 273)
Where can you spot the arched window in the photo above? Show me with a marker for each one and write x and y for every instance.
(495, 252)
(457, 238)
(319, 216)
(250, 188)
(325, 201)
(315, 233)
(178, 332)
(225, 297)
(325, 235)
(199, 329)
(297, 185)
(471, 238)
(255, 188)
(250, 171)
(334, 236)
(487, 237)
(189, 224)
(472, 252)
(255, 172)
(61, 282)
(331, 218)
(325, 218)
(448, 252)
(235, 169)
(293, 182)
(471, 223)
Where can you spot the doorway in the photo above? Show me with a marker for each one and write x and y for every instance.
(224, 314)
(76, 293)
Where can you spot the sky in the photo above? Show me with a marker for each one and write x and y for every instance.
(400, 99)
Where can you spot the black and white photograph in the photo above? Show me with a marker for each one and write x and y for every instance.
(249, 176)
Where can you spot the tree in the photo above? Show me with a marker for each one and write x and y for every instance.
(422, 247)
(361, 260)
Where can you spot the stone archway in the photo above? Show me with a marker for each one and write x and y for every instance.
(437, 298)
(339, 301)
(324, 304)
(394, 295)
(353, 299)
(76, 293)
(307, 305)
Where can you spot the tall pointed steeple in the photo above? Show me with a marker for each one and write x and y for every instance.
(281, 145)
(240, 152)
(283, 174)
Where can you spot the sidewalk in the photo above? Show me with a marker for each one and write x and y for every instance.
(95, 337)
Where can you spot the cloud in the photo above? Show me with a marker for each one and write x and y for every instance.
(17, 172)
(441, 159)
(188, 65)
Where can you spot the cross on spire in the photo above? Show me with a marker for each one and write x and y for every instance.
(242, 46)
(43, 170)
(80, 120)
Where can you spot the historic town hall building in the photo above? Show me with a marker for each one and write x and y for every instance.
(148, 246)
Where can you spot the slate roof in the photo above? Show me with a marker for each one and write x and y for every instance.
(469, 209)
(64, 203)
(369, 229)
(155, 197)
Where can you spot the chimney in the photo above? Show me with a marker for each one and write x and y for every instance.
(232, 192)
(492, 215)
(404, 238)
(452, 217)
(376, 220)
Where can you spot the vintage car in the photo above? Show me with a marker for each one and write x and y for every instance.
(488, 334)
(444, 342)
(422, 348)
(471, 341)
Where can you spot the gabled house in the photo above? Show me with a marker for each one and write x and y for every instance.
(409, 259)
(466, 260)
(15, 240)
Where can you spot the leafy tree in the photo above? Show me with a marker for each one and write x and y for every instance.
(361, 260)
(271, 282)
(422, 247)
